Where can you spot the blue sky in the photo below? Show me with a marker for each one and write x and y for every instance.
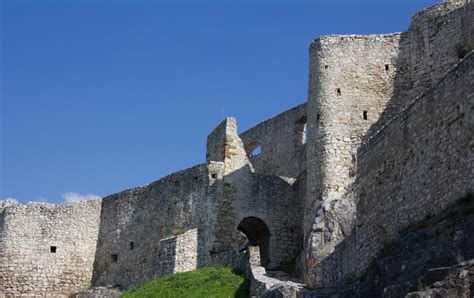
(101, 96)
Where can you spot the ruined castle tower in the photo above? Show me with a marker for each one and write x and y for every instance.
(343, 185)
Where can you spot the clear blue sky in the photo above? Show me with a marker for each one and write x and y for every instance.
(101, 96)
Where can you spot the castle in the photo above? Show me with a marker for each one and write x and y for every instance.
(340, 187)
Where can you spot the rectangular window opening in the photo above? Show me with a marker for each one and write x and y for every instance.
(386, 67)
(214, 176)
(52, 249)
(114, 257)
(338, 91)
(132, 245)
(365, 115)
(303, 139)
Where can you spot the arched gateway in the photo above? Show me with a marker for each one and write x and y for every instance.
(257, 234)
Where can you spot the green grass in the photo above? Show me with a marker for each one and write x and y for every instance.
(213, 282)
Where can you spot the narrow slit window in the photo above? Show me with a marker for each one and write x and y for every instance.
(132, 245)
(338, 91)
(303, 139)
(386, 67)
(52, 249)
(214, 176)
(364, 114)
(114, 257)
(301, 129)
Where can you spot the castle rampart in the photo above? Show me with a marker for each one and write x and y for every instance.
(383, 143)
(47, 249)
(134, 221)
(412, 170)
(277, 157)
(374, 79)
(351, 82)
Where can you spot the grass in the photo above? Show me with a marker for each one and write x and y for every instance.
(215, 282)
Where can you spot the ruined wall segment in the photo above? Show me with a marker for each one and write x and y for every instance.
(244, 194)
(224, 145)
(47, 249)
(282, 140)
(134, 221)
(178, 253)
(351, 82)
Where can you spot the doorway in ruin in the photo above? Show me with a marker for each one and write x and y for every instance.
(257, 234)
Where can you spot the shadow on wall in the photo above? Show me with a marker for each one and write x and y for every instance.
(419, 163)
(421, 64)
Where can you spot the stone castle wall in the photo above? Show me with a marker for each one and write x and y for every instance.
(351, 82)
(47, 249)
(419, 164)
(283, 143)
(383, 142)
(244, 194)
(374, 78)
(134, 221)
(411, 170)
(208, 201)
(427, 51)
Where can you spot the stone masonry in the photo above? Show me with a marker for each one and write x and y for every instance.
(383, 144)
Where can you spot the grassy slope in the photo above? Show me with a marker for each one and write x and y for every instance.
(205, 282)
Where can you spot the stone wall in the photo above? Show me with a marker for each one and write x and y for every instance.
(282, 140)
(411, 170)
(273, 201)
(388, 143)
(351, 82)
(436, 39)
(137, 226)
(419, 164)
(134, 221)
(358, 84)
(47, 249)
(178, 253)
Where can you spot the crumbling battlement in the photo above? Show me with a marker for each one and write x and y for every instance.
(384, 141)
(279, 158)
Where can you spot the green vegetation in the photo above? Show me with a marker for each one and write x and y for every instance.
(213, 282)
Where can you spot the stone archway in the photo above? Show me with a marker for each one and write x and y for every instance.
(257, 234)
